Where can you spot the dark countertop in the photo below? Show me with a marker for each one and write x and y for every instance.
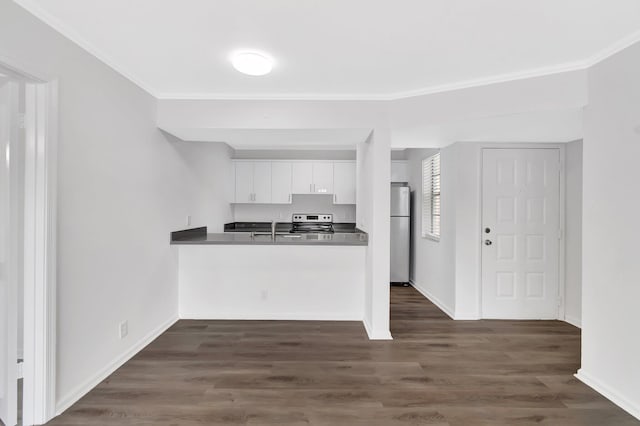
(199, 236)
(348, 227)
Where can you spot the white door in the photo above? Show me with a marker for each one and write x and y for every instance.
(244, 182)
(281, 182)
(302, 181)
(262, 182)
(8, 259)
(520, 233)
(344, 183)
(323, 178)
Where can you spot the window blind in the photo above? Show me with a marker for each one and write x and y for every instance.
(431, 196)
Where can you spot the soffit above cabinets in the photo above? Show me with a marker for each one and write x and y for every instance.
(314, 139)
(336, 49)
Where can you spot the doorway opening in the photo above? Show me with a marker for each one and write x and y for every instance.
(28, 119)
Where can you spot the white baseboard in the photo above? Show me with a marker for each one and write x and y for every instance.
(293, 316)
(67, 401)
(466, 317)
(629, 406)
(385, 335)
(575, 321)
(426, 293)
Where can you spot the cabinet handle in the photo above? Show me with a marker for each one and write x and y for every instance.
(335, 198)
(310, 187)
(289, 197)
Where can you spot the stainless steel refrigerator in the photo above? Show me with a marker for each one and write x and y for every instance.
(400, 232)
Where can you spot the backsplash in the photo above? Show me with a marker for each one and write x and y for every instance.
(301, 204)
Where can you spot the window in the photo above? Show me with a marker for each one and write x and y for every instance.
(431, 197)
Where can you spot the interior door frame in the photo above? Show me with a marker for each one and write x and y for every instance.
(41, 145)
(562, 219)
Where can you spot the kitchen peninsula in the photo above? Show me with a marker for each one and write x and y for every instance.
(263, 276)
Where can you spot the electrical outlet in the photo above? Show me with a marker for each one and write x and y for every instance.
(124, 329)
(188, 221)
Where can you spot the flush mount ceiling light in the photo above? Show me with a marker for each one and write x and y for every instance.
(252, 63)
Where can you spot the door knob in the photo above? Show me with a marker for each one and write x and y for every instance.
(487, 230)
(487, 242)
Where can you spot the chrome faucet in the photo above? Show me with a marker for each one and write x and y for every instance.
(274, 225)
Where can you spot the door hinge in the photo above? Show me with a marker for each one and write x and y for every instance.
(22, 120)
(20, 369)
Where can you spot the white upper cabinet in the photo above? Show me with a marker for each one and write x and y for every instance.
(344, 182)
(302, 182)
(253, 182)
(281, 178)
(261, 182)
(323, 178)
(244, 182)
(312, 177)
(399, 171)
(275, 182)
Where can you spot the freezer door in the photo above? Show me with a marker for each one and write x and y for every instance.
(400, 196)
(399, 250)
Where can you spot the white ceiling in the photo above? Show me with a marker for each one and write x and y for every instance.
(341, 49)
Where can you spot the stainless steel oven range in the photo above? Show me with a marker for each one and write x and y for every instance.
(303, 223)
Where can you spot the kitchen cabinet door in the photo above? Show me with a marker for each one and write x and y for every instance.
(344, 183)
(323, 178)
(244, 182)
(281, 174)
(399, 171)
(262, 182)
(302, 181)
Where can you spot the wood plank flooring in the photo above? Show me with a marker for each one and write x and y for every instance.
(435, 372)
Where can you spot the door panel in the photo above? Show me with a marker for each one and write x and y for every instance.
(400, 205)
(302, 180)
(281, 182)
(520, 253)
(400, 249)
(244, 182)
(8, 256)
(323, 178)
(262, 182)
(344, 183)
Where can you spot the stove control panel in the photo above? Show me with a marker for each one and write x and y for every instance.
(312, 218)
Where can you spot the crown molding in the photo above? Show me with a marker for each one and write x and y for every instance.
(32, 7)
(613, 49)
(37, 11)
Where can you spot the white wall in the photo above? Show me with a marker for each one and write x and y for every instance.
(534, 109)
(372, 216)
(433, 262)
(611, 230)
(300, 204)
(120, 193)
(284, 282)
(448, 271)
(573, 233)
(208, 182)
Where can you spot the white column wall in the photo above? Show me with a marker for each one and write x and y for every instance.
(373, 174)
(611, 231)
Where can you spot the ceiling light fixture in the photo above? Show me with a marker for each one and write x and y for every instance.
(252, 63)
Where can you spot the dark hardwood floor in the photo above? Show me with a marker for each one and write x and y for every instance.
(435, 372)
